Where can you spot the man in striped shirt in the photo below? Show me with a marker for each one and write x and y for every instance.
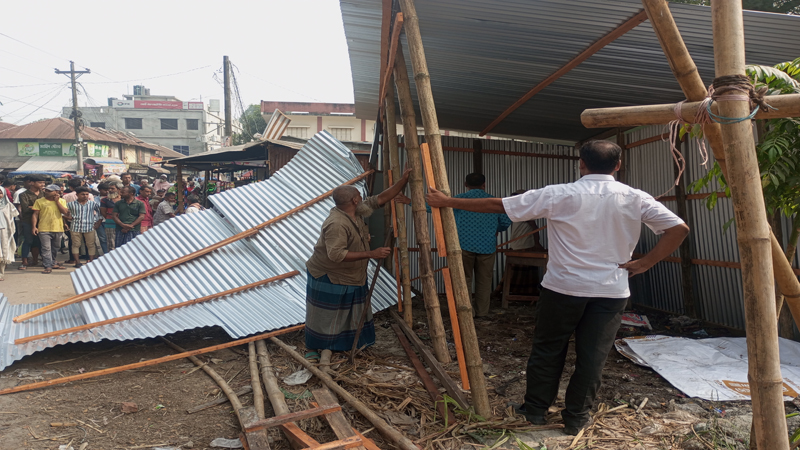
(86, 219)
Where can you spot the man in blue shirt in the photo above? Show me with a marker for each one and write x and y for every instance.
(477, 233)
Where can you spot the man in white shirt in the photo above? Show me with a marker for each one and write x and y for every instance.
(593, 226)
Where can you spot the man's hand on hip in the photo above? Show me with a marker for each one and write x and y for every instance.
(635, 267)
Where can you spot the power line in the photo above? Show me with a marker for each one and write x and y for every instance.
(150, 78)
(29, 85)
(23, 73)
(40, 107)
(31, 46)
(59, 89)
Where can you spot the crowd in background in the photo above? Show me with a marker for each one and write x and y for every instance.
(39, 218)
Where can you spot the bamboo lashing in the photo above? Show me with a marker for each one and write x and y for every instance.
(151, 362)
(438, 228)
(530, 233)
(186, 258)
(419, 214)
(89, 326)
(461, 293)
(451, 306)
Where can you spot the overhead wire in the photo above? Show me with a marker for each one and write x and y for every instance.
(33, 47)
(59, 89)
(40, 107)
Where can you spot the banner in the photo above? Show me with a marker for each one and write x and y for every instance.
(59, 149)
(155, 159)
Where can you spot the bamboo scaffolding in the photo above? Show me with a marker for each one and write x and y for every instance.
(151, 362)
(255, 381)
(384, 428)
(480, 396)
(400, 211)
(191, 256)
(764, 374)
(420, 215)
(89, 326)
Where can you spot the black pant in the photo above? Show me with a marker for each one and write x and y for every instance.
(595, 322)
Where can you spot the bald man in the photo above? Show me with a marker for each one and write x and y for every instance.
(336, 292)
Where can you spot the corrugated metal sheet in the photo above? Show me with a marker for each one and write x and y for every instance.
(484, 55)
(277, 125)
(49, 164)
(322, 164)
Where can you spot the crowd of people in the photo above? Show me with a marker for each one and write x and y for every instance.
(41, 218)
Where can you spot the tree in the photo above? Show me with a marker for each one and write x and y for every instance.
(252, 122)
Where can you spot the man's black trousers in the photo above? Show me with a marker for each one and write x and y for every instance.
(595, 322)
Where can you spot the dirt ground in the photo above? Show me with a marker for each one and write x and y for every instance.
(382, 377)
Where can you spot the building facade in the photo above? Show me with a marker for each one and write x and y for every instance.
(185, 127)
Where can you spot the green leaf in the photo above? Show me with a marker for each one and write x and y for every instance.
(728, 225)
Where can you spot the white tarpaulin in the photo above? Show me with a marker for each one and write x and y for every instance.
(711, 369)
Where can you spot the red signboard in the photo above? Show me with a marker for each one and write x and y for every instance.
(157, 104)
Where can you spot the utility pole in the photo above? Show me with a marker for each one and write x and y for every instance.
(226, 64)
(76, 115)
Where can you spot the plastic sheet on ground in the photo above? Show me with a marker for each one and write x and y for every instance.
(711, 369)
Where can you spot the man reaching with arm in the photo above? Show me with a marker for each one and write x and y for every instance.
(337, 270)
(593, 226)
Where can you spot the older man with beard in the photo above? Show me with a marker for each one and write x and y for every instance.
(337, 270)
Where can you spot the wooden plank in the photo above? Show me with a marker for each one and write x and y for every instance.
(338, 422)
(660, 137)
(452, 389)
(222, 400)
(190, 257)
(368, 443)
(256, 439)
(292, 417)
(426, 379)
(297, 437)
(583, 56)
(451, 307)
(438, 228)
(152, 362)
(341, 444)
(150, 312)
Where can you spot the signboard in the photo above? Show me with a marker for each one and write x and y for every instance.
(122, 103)
(156, 159)
(59, 149)
(193, 105)
(157, 104)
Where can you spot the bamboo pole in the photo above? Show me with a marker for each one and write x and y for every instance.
(384, 428)
(764, 374)
(421, 232)
(788, 105)
(89, 326)
(400, 210)
(480, 396)
(387, 208)
(151, 362)
(255, 380)
(190, 257)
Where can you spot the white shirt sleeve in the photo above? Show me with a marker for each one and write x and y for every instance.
(533, 204)
(656, 216)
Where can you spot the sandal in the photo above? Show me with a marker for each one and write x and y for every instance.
(22, 267)
(48, 270)
(59, 267)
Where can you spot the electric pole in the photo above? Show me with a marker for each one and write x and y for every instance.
(76, 115)
(226, 64)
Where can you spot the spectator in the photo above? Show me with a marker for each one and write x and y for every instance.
(86, 219)
(194, 205)
(126, 181)
(144, 181)
(69, 197)
(8, 246)
(128, 215)
(31, 242)
(157, 199)
(102, 189)
(25, 182)
(48, 224)
(9, 186)
(107, 210)
(161, 183)
(165, 209)
(144, 196)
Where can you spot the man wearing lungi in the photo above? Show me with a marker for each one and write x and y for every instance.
(337, 270)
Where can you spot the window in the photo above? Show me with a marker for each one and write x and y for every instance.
(97, 124)
(183, 149)
(192, 124)
(342, 134)
(133, 124)
(169, 124)
(298, 132)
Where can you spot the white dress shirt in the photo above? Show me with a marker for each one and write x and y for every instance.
(593, 225)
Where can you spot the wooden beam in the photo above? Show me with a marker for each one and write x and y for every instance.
(649, 140)
(788, 105)
(151, 362)
(150, 312)
(337, 421)
(628, 25)
(186, 258)
(292, 417)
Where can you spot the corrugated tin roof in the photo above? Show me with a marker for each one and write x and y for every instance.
(6, 125)
(62, 128)
(321, 165)
(484, 55)
(231, 153)
(49, 164)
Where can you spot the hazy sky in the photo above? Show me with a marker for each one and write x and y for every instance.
(281, 50)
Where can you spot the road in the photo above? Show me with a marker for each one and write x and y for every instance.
(32, 286)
